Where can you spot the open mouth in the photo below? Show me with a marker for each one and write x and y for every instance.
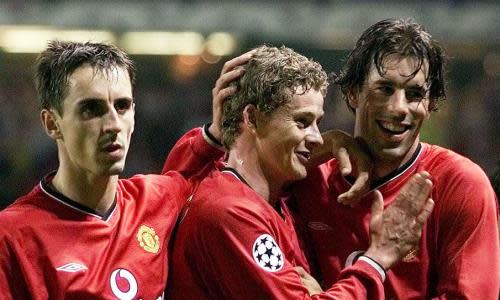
(393, 128)
(303, 155)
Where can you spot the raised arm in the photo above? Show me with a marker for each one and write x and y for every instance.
(194, 153)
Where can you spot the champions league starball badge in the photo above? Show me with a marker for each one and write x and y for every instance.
(267, 254)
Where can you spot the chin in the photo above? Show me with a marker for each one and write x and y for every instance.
(115, 169)
(392, 154)
(300, 174)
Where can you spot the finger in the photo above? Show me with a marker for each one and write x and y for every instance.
(230, 76)
(237, 61)
(343, 160)
(414, 193)
(360, 187)
(225, 79)
(425, 213)
(377, 210)
(301, 271)
(378, 203)
(223, 94)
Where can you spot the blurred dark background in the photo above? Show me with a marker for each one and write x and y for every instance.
(173, 90)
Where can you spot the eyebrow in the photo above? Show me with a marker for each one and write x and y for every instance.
(412, 86)
(88, 100)
(308, 114)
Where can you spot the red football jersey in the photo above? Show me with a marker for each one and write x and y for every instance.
(54, 248)
(458, 255)
(233, 244)
(194, 155)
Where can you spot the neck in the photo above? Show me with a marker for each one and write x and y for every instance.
(95, 192)
(244, 159)
(384, 166)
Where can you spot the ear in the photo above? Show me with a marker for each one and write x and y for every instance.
(133, 117)
(352, 98)
(50, 124)
(250, 117)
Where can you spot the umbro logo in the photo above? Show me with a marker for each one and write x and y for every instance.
(72, 268)
(319, 226)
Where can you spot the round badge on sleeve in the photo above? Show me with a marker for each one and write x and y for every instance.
(267, 254)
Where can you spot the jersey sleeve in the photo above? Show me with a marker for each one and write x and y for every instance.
(194, 154)
(178, 189)
(17, 281)
(242, 257)
(8, 284)
(467, 254)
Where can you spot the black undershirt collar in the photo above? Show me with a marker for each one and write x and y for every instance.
(378, 182)
(233, 171)
(47, 187)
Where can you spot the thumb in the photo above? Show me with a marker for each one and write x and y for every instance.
(377, 210)
(300, 270)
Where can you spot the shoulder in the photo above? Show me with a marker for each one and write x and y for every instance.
(170, 183)
(224, 202)
(461, 187)
(24, 214)
(448, 167)
(24, 206)
(170, 187)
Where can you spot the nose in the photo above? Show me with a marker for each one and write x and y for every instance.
(398, 103)
(313, 135)
(112, 121)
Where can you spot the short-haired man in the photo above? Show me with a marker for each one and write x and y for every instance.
(392, 80)
(83, 233)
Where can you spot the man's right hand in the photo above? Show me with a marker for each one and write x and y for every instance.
(223, 89)
(343, 147)
(397, 230)
(309, 282)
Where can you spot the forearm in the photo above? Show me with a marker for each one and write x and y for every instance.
(193, 154)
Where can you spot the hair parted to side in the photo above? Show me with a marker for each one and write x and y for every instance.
(272, 77)
(400, 37)
(60, 59)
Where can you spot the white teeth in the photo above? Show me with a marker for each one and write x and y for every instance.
(304, 154)
(393, 127)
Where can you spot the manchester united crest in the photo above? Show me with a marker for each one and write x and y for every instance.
(411, 255)
(148, 239)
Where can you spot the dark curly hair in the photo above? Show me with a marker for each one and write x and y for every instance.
(401, 37)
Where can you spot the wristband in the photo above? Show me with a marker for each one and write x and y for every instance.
(209, 138)
(375, 265)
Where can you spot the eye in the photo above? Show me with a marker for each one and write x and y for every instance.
(385, 90)
(123, 105)
(415, 95)
(91, 109)
(302, 122)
